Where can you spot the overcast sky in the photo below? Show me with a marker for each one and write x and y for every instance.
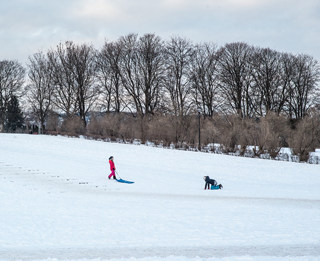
(30, 26)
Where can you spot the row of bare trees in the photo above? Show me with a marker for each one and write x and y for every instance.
(63, 80)
(147, 77)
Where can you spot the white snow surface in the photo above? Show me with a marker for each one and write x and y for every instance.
(56, 203)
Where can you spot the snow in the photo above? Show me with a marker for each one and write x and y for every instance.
(56, 203)
(316, 153)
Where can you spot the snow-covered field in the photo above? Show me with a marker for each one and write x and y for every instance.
(56, 203)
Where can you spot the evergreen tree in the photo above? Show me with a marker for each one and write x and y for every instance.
(14, 117)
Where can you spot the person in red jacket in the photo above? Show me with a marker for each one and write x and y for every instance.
(112, 168)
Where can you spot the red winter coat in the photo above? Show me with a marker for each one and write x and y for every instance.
(112, 166)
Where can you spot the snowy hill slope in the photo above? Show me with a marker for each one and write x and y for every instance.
(56, 202)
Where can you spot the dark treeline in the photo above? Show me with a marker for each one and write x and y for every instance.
(151, 89)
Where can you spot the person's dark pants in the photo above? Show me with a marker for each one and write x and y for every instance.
(207, 185)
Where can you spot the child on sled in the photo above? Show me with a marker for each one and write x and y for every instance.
(212, 182)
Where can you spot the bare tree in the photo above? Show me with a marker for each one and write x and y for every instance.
(205, 79)
(234, 71)
(64, 92)
(179, 55)
(12, 76)
(268, 85)
(40, 89)
(84, 70)
(109, 76)
(74, 75)
(129, 72)
(151, 69)
(142, 71)
(304, 79)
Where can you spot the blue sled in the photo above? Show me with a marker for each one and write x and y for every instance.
(125, 181)
(215, 187)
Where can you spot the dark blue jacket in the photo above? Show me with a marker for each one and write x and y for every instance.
(210, 181)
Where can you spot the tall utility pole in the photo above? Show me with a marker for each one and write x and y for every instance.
(199, 116)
